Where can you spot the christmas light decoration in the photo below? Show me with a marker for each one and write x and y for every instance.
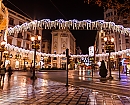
(71, 24)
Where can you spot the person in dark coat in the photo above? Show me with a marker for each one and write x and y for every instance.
(10, 71)
(2, 72)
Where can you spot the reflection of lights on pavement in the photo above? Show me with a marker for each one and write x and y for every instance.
(80, 72)
(83, 72)
(83, 78)
(15, 78)
(71, 75)
(80, 78)
(81, 75)
(5, 77)
(42, 82)
(23, 82)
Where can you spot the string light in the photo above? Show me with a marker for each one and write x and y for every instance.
(71, 24)
(74, 24)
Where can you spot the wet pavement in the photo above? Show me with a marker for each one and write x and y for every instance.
(21, 90)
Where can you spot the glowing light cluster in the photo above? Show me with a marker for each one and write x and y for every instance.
(114, 53)
(17, 49)
(71, 24)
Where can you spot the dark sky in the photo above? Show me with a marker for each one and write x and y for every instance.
(61, 9)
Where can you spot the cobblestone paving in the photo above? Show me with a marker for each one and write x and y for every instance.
(20, 90)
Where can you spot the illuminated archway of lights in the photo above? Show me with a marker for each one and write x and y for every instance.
(71, 24)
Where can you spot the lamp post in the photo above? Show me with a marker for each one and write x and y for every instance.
(67, 55)
(2, 49)
(35, 40)
(109, 41)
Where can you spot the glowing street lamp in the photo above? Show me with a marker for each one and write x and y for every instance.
(109, 41)
(112, 39)
(105, 39)
(32, 38)
(35, 46)
(39, 37)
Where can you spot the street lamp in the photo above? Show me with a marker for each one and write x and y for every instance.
(109, 42)
(35, 40)
(2, 49)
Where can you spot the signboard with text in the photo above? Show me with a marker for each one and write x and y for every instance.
(91, 51)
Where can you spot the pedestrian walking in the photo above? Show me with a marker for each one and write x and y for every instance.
(9, 71)
(2, 72)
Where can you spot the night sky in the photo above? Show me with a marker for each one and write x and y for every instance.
(61, 9)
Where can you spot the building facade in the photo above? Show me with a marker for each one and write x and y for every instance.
(121, 41)
(46, 46)
(61, 40)
(18, 59)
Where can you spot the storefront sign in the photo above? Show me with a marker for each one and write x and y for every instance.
(91, 51)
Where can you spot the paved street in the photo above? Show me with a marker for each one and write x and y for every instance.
(84, 79)
(20, 90)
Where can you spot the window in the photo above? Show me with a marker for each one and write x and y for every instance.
(11, 21)
(106, 15)
(101, 34)
(20, 23)
(28, 37)
(27, 46)
(102, 50)
(111, 14)
(43, 51)
(63, 45)
(126, 35)
(54, 58)
(37, 32)
(119, 41)
(124, 21)
(119, 36)
(114, 12)
(18, 43)
(102, 39)
(127, 47)
(43, 46)
(127, 40)
(9, 41)
(19, 35)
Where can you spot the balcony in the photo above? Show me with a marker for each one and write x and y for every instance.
(20, 35)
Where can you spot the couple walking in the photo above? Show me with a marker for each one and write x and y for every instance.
(3, 71)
